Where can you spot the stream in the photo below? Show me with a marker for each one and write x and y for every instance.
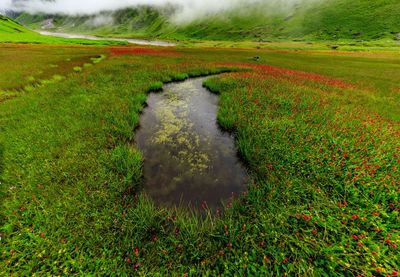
(189, 160)
(133, 41)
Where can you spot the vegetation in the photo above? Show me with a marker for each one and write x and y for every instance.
(326, 180)
(8, 25)
(24, 67)
(321, 141)
(336, 20)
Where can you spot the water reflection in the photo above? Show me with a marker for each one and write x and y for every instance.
(188, 158)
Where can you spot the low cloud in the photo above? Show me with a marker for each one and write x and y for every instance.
(186, 9)
(100, 20)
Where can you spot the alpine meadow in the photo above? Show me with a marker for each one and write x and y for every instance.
(200, 138)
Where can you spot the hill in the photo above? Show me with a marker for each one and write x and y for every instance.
(9, 26)
(310, 20)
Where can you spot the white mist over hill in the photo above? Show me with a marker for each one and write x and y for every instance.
(186, 9)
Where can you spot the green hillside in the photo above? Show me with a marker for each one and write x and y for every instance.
(9, 26)
(322, 20)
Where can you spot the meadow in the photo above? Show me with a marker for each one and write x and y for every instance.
(318, 130)
(26, 66)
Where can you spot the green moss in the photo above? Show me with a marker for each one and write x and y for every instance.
(77, 69)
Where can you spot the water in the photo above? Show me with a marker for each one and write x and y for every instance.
(188, 159)
(133, 41)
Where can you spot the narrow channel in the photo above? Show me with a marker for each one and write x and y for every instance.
(189, 160)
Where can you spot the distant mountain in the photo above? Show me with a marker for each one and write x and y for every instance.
(311, 20)
(13, 32)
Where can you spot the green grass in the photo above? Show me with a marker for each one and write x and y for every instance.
(319, 192)
(70, 175)
(28, 65)
(8, 25)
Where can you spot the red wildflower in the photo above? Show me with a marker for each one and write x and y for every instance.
(118, 51)
(306, 217)
(288, 73)
(314, 232)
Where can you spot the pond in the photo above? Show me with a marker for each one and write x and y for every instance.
(189, 160)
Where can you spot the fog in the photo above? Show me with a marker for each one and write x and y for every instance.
(186, 9)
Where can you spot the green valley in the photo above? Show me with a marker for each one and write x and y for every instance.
(302, 98)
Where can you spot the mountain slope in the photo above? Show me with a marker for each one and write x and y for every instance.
(9, 26)
(321, 20)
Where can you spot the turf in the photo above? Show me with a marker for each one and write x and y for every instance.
(319, 131)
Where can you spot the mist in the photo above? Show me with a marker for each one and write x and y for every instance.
(185, 9)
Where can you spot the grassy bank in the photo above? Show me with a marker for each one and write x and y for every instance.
(326, 184)
(321, 140)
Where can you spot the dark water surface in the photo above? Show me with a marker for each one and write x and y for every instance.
(188, 159)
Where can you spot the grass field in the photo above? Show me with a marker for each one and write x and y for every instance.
(319, 131)
(25, 65)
